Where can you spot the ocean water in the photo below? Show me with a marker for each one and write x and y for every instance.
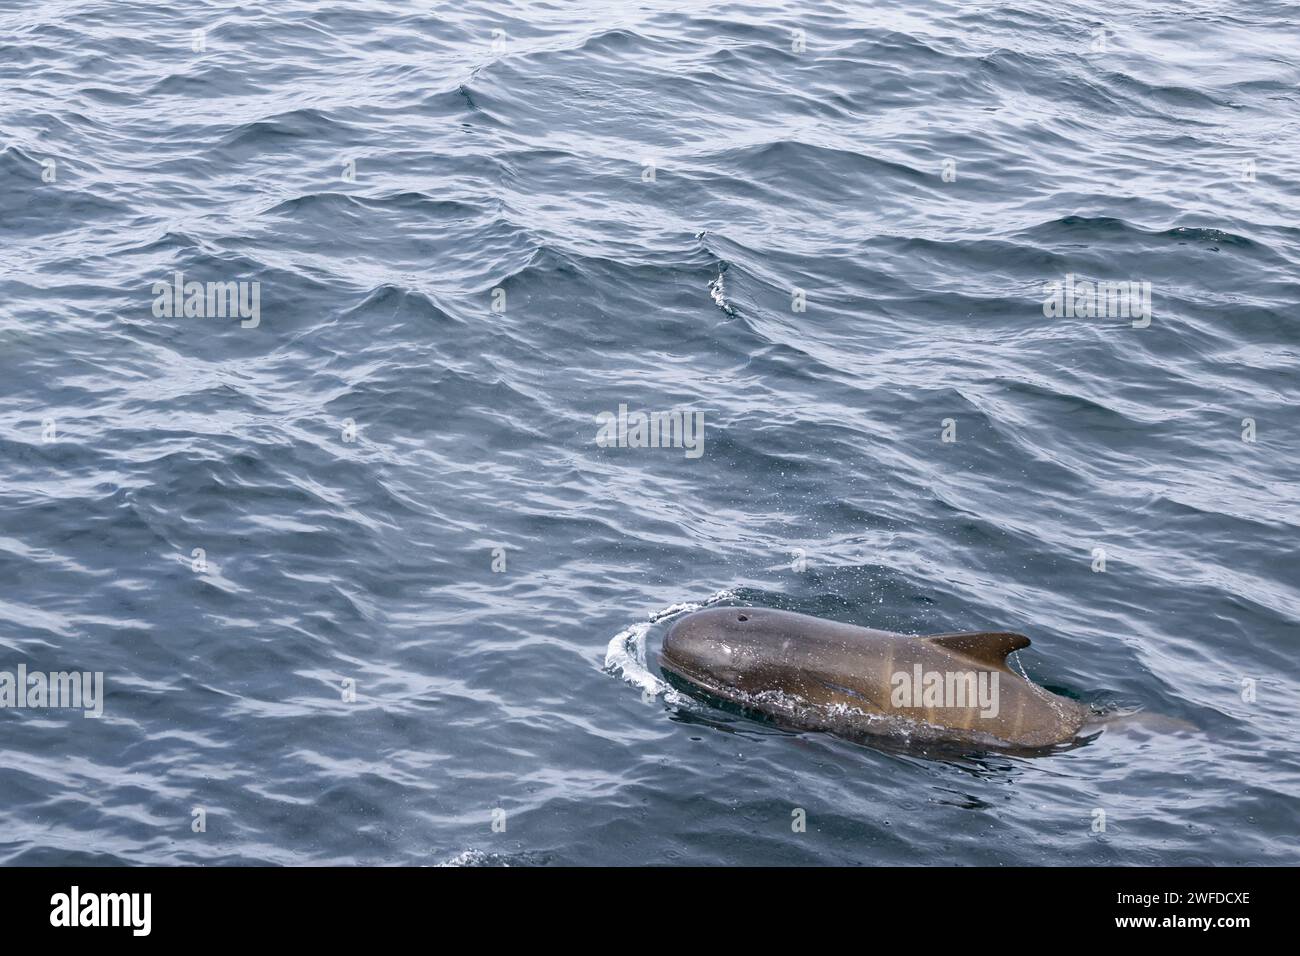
(364, 587)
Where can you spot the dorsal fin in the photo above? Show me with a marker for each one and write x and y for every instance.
(987, 647)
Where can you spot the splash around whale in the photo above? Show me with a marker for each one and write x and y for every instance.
(809, 673)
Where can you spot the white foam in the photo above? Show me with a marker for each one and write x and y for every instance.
(719, 293)
(470, 858)
(625, 656)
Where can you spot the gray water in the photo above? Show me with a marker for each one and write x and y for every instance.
(245, 521)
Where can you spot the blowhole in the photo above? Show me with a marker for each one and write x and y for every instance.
(741, 617)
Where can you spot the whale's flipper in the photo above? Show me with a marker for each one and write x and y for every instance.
(987, 647)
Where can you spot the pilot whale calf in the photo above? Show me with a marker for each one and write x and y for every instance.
(825, 675)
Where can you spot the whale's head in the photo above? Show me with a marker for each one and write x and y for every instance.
(735, 647)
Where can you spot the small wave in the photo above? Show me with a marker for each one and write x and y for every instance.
(300, 124)
(625, 656)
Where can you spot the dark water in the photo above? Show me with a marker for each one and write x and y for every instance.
(1164, 152)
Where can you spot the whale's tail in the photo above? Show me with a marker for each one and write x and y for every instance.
(1143, 723)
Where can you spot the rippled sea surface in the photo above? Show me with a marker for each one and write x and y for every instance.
(475, 227)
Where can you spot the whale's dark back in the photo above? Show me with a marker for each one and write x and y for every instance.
(815, 672)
